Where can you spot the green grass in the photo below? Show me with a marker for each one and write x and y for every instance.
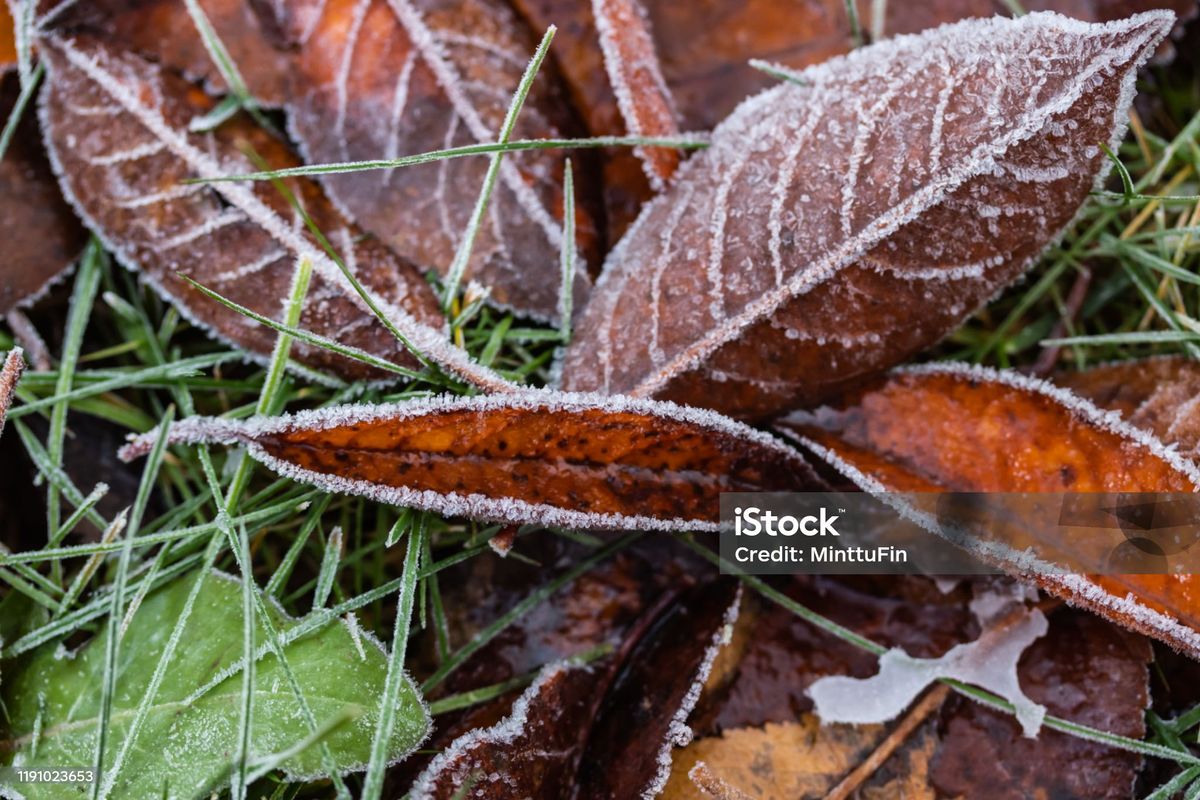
(129, 359)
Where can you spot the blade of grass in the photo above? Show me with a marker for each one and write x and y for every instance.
(467, 243)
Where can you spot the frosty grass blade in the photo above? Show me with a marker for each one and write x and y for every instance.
(834, 229)
(584, 461)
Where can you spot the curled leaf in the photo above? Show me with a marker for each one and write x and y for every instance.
(836, 228)
(534, 456)
(116, 127)
(41, 237)
(952, 427)
(516, 757)
(634, 74)
(376, 79)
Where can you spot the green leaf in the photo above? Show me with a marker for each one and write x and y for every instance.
(187, 740)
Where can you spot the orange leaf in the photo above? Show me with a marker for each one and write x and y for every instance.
(532, 456)
(950, 427)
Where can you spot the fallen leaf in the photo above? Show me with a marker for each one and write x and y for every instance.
(10, 373)
(526, 754)
(633, 72)
(116, 128)
(644, 717)
(580, 62)
(8, 40)
(534, 456)
(878, 238)
(376, 79)
(800, 760)
(163, 31)
(1084, 670)
(1161, 395)
(953, 427)
(42, 238)
(184, 739)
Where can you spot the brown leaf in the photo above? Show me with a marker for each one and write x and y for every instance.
(533, 456)
(41, 236)
(645, 712)
(1161, 395)
(376, 79)
(950, 427)
(633, 72)
(163, 31)
(116, 127)
(8, 40)
(580, 61)
(907, 183)
(527, 754)
(1084, 670)
(10, 373)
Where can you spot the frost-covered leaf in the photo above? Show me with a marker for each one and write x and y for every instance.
(10, 373)
(1161, 395)
(384, 78)
(164, 31)
(580, 61)
(116, 126)
(527, 753)
(532, 456)
(633, 72)
(836, 228)
(645, 715)
(41, 237)
(186, 740)
(954, 427)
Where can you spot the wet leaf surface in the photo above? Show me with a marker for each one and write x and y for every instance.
(1084, 670)
(877, 238)
(41, 236)
(116, 125)
(949, 427)
(539, 457)
(376, 79)
(195, 713)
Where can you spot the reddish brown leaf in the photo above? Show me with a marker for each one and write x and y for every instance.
(376, 79)
(527, 753)
(8, 41)
(971, 429)
(580, 60)
(1161, 395)
(115, 125)
(836, 228)
(645, 713)
(163, 31)
(1083, 670)
(534, 456)
(40, 234)
(633, 72)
